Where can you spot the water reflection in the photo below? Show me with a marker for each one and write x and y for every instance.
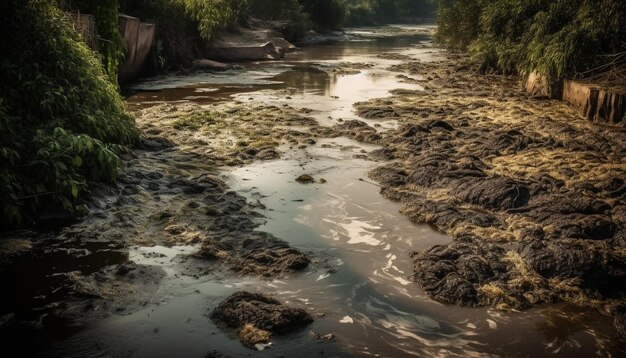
(307, 79)
(359, 288)
(302, 72)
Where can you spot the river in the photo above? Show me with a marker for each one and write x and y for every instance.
(361, 292)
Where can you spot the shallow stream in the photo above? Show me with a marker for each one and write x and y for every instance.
(366, 300)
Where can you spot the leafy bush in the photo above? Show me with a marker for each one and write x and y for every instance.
(327, 14)
(360, 14)
(275, 10)
(62, 123)
(370, 12)
(213, 15)
(556, 38)
(458, 22)
(107, 25)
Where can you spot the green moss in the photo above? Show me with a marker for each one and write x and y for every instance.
(262, 143)
(62, 122)
(194, 121)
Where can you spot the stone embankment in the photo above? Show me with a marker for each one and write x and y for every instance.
(594, 101)
(138, 38)
(258, 41)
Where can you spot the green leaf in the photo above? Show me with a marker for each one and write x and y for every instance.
(75, 190)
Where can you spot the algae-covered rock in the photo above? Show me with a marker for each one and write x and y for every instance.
(305, 179)
(255, 317)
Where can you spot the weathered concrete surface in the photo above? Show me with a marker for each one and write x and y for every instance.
(534, 197)
(596, 103)
(137, 38)
(254, 43)
(85, 25)
(246, 52)
(539, 85)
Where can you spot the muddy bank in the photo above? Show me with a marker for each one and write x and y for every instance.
(534, 197)
(308, 187)
(255, 317)
(168, 195)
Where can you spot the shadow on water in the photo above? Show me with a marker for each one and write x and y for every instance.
(36, 285)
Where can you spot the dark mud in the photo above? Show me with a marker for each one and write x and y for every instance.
(165, 196)
(533, 195)
(169, 194)
(171, 197)
(255, 317)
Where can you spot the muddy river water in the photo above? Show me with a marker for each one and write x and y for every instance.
(366, 301)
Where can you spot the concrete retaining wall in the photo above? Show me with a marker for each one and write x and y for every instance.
(85, 25)
(539, 86)
(138, 38)
(594, 102)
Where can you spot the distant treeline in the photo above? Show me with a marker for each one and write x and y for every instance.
(557, 38)
(185, 25)
(372, 12)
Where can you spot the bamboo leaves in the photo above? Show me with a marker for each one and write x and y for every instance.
(62, 122)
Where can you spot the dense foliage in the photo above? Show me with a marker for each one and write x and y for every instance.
(213, 15)
(183, 26)
(62, 122)
(325, 13)
(557, 38)
(107, 25)
(370, 12)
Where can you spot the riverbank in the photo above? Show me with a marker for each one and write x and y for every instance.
(209, 205)
(533, 194)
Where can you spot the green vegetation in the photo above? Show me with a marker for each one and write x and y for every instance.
(185, 25)
(556, 38)
(62, 122)
(213, 15)
(327, 14)
(371, 12)
(107, 25)
(277, 10)
(194, 121)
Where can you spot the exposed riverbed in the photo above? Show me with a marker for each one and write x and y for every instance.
(260, 127)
